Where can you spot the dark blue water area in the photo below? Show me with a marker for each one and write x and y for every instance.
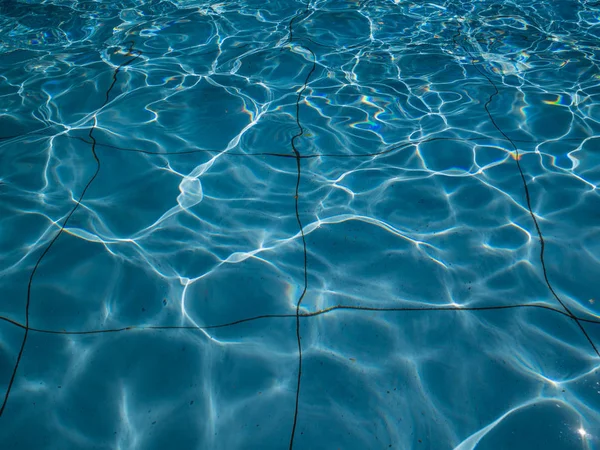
(283, 225)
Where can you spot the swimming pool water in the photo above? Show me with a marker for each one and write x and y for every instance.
(285, 225)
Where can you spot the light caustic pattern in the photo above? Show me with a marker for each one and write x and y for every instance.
(415, 143)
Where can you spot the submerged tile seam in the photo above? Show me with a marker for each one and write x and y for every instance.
(307, 315)
(130, 52)
(525, 189)
(298, 219)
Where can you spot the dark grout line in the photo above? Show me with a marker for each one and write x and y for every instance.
(300, 227)
(130, 52)
(306, 315)
(399, 146)
(526, 191)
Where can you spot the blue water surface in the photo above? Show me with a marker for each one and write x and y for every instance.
(270, 224)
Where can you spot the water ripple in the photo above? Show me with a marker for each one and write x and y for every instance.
(206, 197)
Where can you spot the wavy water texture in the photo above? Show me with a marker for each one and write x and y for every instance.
(278, 224)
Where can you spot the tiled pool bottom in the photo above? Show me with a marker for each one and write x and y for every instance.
(272, 225)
